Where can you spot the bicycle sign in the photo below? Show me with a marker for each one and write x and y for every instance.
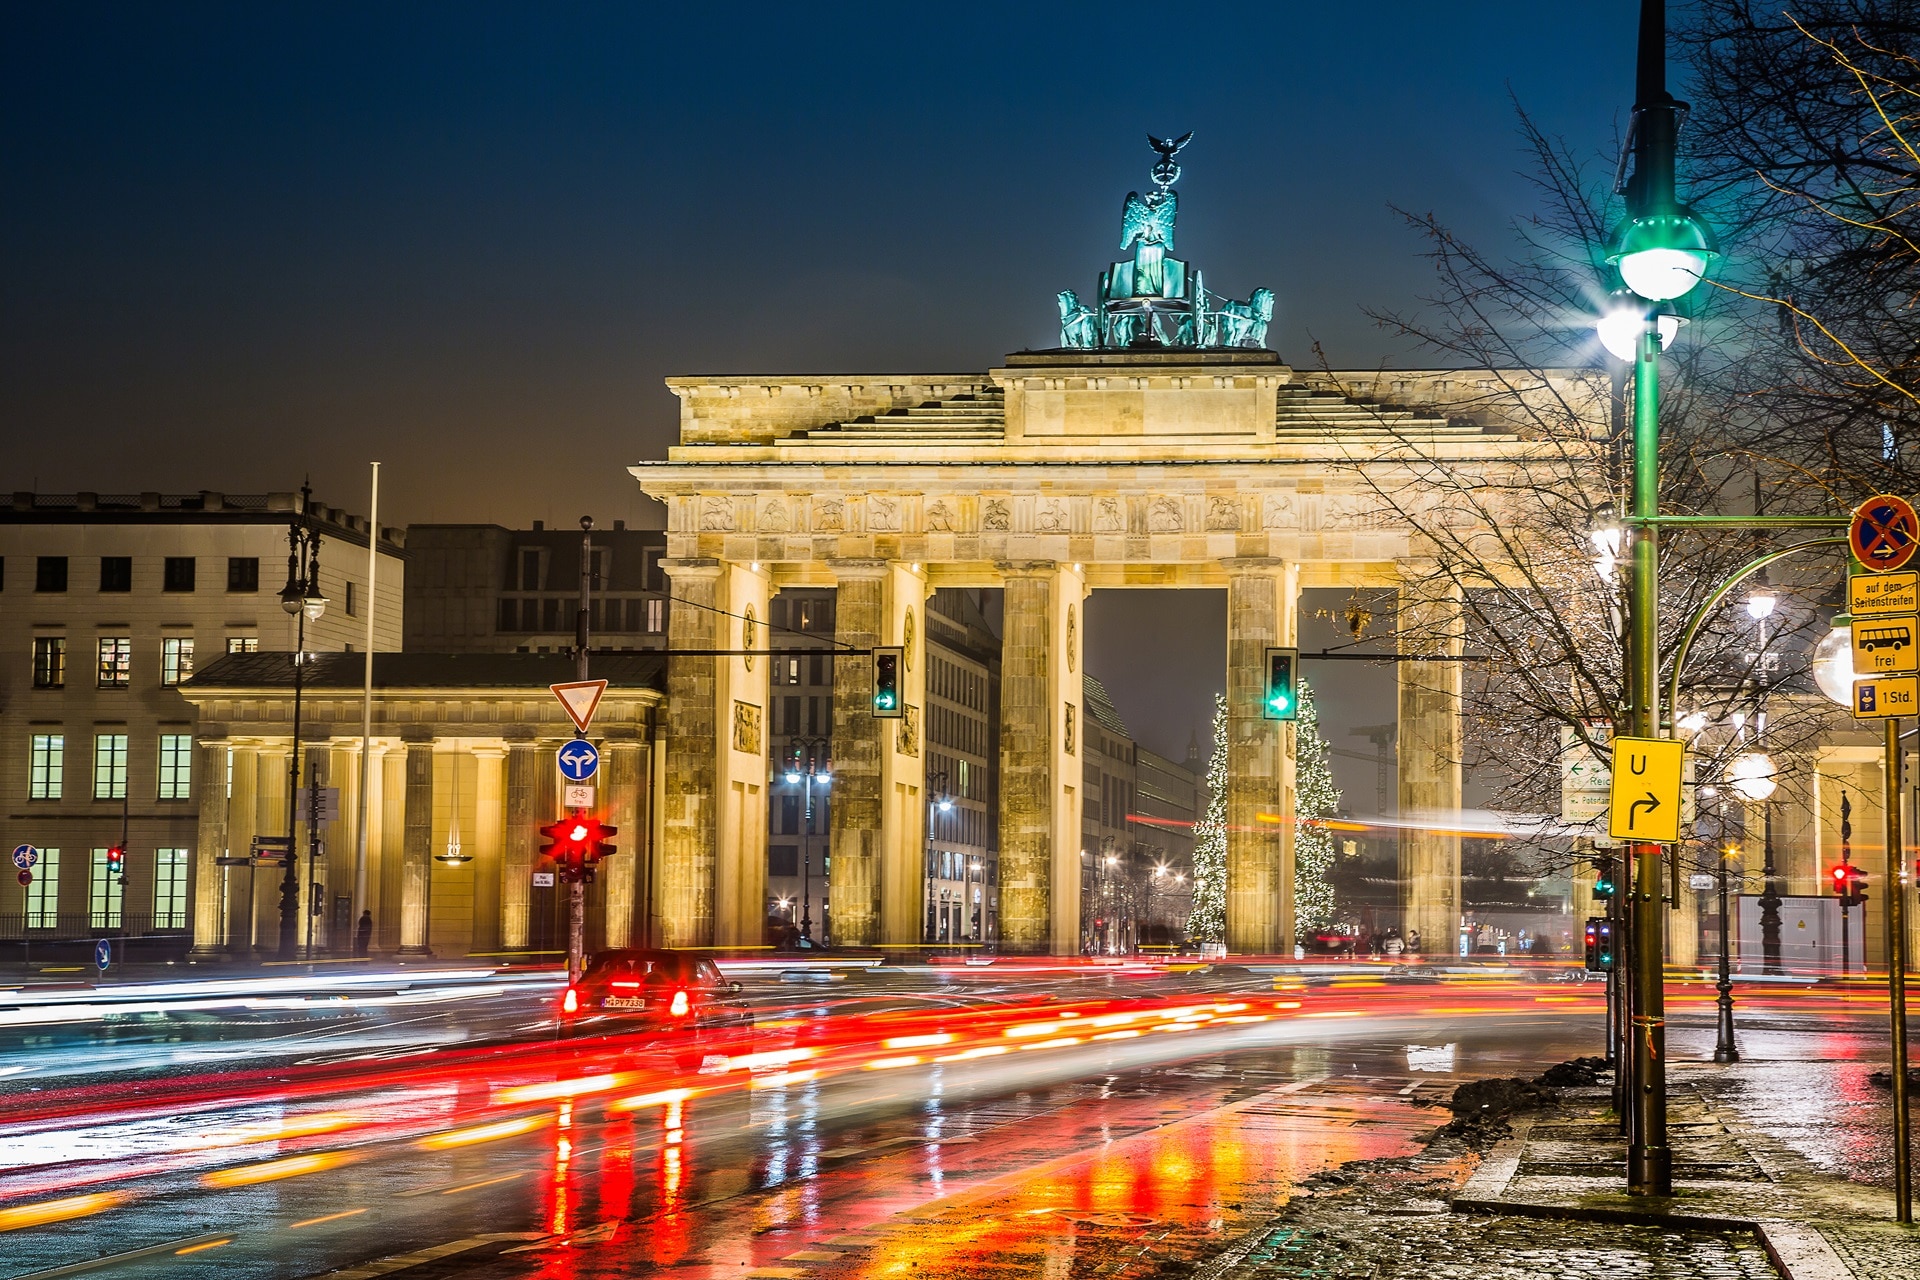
(24, 856)
(1885, 532)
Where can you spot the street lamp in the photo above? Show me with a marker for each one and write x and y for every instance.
(807, 764)
(1661, 251)
(1625, 319)
(939, 800)
(1833, 663)
(304, 602)
(1751, 776)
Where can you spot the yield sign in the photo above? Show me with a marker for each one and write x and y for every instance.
(580, 697)
(1885, 532)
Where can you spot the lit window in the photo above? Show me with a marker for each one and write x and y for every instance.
(109, 766)
(47, 767)
(243, 644)
(49, 662)
(176, 766)
(176, 659)
(656, 615)
(116, 662)
(170, 888)
(43, 895)
(106, 890)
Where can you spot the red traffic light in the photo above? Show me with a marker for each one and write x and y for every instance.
(117, 858)
(1841, 879)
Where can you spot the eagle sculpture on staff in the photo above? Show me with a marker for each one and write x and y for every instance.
(1149, 218)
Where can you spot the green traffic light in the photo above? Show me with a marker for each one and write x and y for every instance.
(1280, 702)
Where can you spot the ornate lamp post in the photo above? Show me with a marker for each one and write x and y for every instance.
(939, 801)
(304, 602)
(806, 765)
(1661, 252)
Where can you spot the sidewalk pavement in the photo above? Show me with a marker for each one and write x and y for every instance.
(1753, 1153)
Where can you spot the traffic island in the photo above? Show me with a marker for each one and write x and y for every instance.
(1567, 1163)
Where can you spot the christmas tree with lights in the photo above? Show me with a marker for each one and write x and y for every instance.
(1208, 923)
(1315, 799)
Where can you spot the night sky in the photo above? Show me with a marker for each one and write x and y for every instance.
(247, 242)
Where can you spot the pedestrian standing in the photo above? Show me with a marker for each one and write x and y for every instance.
(363, 934)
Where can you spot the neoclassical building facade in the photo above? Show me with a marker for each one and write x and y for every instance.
(1056, 475)
(462, 773)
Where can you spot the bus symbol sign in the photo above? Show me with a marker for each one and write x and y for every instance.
(1885, 646)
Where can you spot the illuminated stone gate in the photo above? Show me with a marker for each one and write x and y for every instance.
(1051, 477)
(1159, 445)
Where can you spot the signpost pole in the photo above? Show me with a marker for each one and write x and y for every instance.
(576, 886)
(1897, 979)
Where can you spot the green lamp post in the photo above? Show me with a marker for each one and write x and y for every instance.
(1661, 252)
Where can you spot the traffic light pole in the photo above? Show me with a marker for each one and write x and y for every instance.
(1897, 979)
(576, 884)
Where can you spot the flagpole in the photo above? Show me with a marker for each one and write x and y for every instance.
(366, 705)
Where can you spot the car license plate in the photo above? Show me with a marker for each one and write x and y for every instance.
(624, 1002)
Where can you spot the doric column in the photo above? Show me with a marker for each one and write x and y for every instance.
(693, 743)
(210, 780)
(270, 800)
(903, 763)
(376, 843)
(416, 856)
(242, 824)
(624, 801)
(1040, 758)
(393, 845)
(1430, 622)
(489, 836)
(1262, 599)
(520, 850)
(740, 766)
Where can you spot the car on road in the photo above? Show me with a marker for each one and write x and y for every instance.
(671, 999)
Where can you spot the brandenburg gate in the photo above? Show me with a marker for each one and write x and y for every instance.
(1161, 445)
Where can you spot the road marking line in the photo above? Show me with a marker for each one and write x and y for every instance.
(475, 1186)
(402, 1261)
(115, 1259)
(332, 1217)
(211, 1244)
(812, 1255)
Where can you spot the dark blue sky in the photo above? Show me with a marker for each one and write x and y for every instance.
(246, 242)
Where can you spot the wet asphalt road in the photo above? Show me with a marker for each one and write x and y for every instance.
(982, 1166)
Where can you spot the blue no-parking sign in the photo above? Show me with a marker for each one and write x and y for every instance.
(579, 760)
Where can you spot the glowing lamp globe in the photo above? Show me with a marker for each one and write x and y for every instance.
(1751, 776)
(1833, 666)
(1621, 327)
(1662, 256)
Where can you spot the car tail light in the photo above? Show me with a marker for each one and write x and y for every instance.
(570, 1002)
(624, 986)
(678, 1008)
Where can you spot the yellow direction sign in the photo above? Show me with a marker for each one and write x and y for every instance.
(1879, 697)
(1644, 803)
(1874, 594)
(1885, 646)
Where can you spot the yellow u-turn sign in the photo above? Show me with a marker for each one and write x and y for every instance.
(1644, 803)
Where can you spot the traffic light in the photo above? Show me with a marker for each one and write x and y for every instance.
(888, 664)
(1842, 882)
(1283, 677)
(1603, 886)
(1599, 945)
(561, 844)
(1850, 885)
(575, 844)
(117, 859)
